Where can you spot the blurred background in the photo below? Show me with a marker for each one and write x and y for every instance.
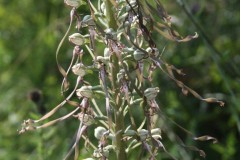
(30, 81)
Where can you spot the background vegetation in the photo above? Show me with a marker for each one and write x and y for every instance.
(30, 32)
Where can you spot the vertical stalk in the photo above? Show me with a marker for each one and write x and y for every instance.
(119, 118)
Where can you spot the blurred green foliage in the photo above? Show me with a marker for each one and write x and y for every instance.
(30, 32)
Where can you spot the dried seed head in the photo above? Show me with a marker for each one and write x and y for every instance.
(151, 93)
(77, 39)
(79, 69)
(85, 91)
(138, 55)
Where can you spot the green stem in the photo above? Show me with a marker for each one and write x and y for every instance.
(119, 117)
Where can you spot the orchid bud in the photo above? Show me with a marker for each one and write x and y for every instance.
(102, 59)
(87, 21)
(85, 91)
(129, 133)
(143, 133)
(79, 69)
(138, 55)
(156, 133)
(86, 119)
(106, 52)
(110, 34)
(151, 93)
(77, 39)
(99, 132)
(74, 3)
(153, 51)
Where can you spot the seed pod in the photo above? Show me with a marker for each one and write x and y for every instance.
(138, 55)
(151, 93)
(85, 91)
(99, 131)
(74, 3)
(77, 39)
(79, 69)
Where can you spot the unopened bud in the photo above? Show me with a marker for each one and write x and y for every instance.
(130, 133)
(102, 59)
(86, 119)
(156, 131)
(138, 55)
(74, 3)
(99, 132)
(143, 133)
(151, 93)
(110, 34)
(77, 39)
(79, 69)
(85, 91)
(87, 21)
(106, 52)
